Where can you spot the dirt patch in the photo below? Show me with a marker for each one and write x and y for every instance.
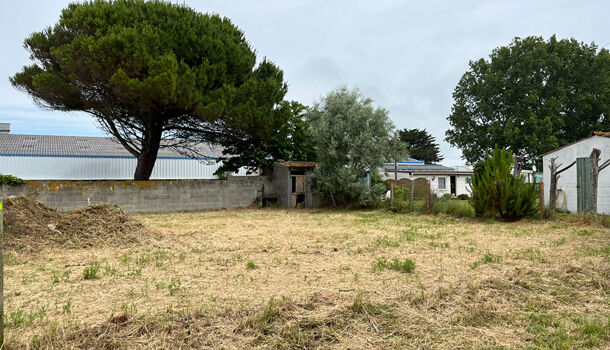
(31, 225)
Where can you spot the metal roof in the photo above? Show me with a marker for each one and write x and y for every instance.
(425, 169)
(84, 146)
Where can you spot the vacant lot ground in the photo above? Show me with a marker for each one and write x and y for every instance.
(304, 279)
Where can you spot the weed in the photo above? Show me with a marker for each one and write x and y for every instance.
(90, 272)
(27, 279)
(174, 286)
(529, 254)
(143, 260)
(110, 271)
(559, 242)
(385, 241)
(67, 307)
(135, 273)
(403, 266)
(17, 317)
(488, 258)
(125, 258)
(250, 265)
(583, 232)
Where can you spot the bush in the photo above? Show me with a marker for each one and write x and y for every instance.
(463, 197)
(11, 180)
(496, 193)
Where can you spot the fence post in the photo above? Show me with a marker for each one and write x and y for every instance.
(541, 189)
(412, 190)
(1, 274)
(392, 195)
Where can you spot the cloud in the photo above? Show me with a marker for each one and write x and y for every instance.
(407, 55)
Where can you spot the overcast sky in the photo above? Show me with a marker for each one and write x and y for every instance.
(407, 55)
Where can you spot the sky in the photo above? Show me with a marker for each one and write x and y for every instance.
(408, 56)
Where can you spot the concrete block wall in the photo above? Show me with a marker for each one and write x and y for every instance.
(147, 196)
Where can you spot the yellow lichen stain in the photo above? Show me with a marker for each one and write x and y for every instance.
(88, 186)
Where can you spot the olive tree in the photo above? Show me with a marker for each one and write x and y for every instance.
(352, 138)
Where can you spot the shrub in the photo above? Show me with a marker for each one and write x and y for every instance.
(11, 180)
(463, 197)
(496, 193)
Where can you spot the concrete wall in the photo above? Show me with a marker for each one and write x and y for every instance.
(283, 184)
(566, 185)
(147, 196)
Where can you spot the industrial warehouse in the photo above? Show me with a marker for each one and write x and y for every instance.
(49, 157)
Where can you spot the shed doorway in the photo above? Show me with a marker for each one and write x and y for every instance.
(583, 183)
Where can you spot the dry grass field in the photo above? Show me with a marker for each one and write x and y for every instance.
(293, 279)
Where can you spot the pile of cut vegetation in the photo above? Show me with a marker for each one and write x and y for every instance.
(29, 225)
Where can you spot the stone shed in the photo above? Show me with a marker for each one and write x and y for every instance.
(292, 183)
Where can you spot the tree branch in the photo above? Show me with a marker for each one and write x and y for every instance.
(566, 168)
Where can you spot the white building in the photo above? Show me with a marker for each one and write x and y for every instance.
(47, 157)
(443, 180)
(573, 184)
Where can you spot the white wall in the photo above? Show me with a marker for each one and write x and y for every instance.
(461, 183)
(567, 179)
(83, 168)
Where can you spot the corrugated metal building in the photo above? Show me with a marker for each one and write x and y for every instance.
(48, 157)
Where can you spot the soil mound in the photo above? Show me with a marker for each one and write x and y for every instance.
(30, 225)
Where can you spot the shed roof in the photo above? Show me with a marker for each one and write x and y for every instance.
(298, 164)
(83, 146)
(595, 133)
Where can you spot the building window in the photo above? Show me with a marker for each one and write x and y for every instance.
(441, 183)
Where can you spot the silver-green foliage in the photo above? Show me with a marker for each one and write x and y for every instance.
(352, 137)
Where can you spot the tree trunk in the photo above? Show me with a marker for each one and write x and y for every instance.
(148, 155)
(550, 210)
(594, 175)
(517, 166)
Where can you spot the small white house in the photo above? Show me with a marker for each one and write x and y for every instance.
(573, 184)
(443, 180)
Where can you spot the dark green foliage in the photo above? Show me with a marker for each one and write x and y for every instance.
(421, 145)
(497, 194)
(11, 180)
(289, 142)
(531, 96)
(463, 196)
(154, 75)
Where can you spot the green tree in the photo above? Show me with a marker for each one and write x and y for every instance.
(421, 145)
(352, 138)
(531, 96)
(154, 75)
(289, 142)
(496, 193)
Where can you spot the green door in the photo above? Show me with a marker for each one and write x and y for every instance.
(583, 182)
